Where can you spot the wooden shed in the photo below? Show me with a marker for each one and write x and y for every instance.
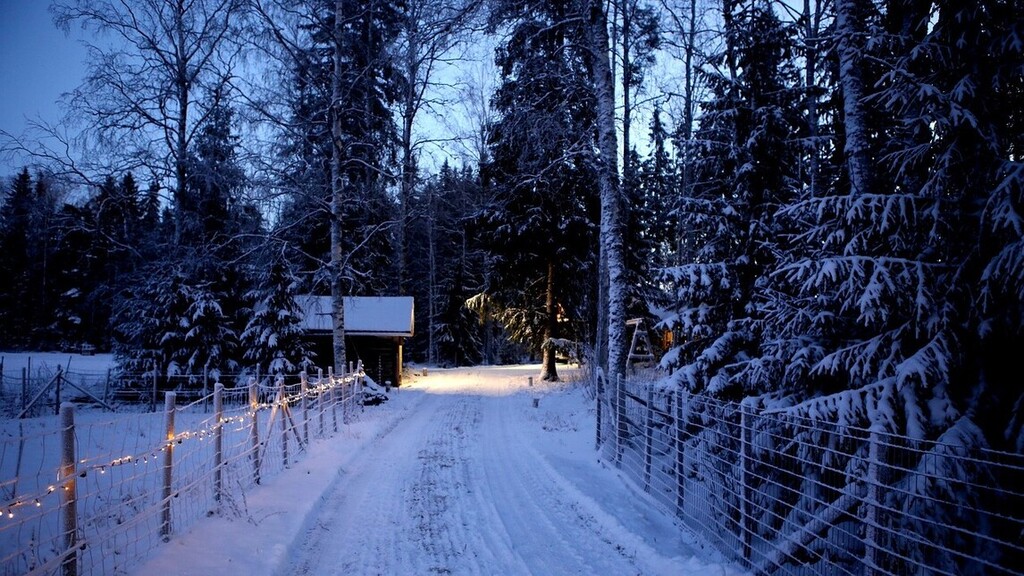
(375, 331)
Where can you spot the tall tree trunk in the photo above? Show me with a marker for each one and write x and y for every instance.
(410, 106)
(686, 133)
(608, 182)
(432, 280)
(812, 44)
(549, 370)
(849, 21)
(181, 80)
(627, 86)
(337, 197)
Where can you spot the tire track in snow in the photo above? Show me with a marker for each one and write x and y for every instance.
(407, 505)
(553, 534)
(456, 488)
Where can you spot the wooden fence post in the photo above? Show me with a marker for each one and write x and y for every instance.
(106, 388)
(348, 394)
(680, 453)
(57, 381)
(334, 398)
(304, 391)
(218, 441)
(24, 389)
(283, 408)
(320, 399)
(254, 429)
(69, 495)
(165, 517)
(649, 439)
(356, 394)
(745, 476)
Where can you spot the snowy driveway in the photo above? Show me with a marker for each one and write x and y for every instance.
(459, 487)
(464, 477)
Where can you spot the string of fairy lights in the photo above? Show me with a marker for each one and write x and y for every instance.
(8, 510)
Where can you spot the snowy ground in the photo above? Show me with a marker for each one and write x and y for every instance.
(457, 474)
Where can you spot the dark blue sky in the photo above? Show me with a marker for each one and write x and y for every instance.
(37, 64)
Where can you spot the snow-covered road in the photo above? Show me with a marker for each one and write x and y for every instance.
(461, 475)
(459, 487)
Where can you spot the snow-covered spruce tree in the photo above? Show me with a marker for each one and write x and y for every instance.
(112, 245)
(540, 226)
(956, 90)
(175, 326)
(273, 338)
(883, 285)
(641, 217)
(658, 186)
(193, 295)
(147, 323)
(16, 228)
(746, 173)
(884, 316)
(28, 225)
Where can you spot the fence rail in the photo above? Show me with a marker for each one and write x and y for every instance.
(785, 491)
(95, 497)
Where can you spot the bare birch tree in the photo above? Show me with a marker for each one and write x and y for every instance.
(150, 69)
(431, 31)
(613, 298)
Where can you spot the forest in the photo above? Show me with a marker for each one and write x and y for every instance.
(803, 197)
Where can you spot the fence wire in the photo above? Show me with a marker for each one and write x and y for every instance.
(138, 478)
(790, 492)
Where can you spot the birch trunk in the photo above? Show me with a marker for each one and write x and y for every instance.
(851, 48)
(608, 181)
(337, 198)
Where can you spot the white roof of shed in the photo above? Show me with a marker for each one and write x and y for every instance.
(364, 315)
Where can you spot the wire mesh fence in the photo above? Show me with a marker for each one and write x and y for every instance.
(806, 490)
(38, 388)
(98, 492)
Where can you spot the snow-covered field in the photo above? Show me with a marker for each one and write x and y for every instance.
(457, 474)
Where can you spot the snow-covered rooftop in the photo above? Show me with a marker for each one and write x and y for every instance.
(364, 315)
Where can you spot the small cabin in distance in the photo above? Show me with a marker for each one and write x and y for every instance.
(375, 331)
